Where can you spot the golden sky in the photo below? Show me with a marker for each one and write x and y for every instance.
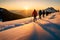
(29, 4)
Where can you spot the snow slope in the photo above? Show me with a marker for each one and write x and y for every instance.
(47, 28)
(14, 23)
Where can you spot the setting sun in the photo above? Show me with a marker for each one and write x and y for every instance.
(26, 7)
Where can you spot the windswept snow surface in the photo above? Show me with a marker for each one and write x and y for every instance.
(47, 28)
(14, 23)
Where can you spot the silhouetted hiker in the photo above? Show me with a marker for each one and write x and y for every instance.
(43, 13)
(34, 14)
(47, 13)
(40, 13)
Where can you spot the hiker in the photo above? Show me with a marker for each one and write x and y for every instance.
(47, 13)
(43, 13)
(40, 13)
(34, 14)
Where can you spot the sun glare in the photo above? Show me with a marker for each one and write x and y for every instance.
(26, 7)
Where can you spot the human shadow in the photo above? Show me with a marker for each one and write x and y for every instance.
(51, 25)
(34, 35)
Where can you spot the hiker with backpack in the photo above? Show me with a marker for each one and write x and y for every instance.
(40, 14)
(34, 14)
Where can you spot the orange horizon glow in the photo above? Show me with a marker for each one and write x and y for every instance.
(28, 8)
(29, 4)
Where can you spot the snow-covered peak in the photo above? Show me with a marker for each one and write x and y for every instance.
(50, 9)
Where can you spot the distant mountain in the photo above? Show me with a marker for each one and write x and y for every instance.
(50, 9)
(6, 15)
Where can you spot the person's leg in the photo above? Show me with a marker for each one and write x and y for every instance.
(34, 19)
(46, 14)
(43, 15)
(40, 16)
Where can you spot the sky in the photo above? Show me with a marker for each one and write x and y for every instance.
(29, 4)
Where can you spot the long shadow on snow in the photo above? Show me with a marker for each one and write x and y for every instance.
(34, 35)
(51, 25)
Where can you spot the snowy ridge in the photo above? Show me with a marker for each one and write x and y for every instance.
(12, 24)
(47, 28)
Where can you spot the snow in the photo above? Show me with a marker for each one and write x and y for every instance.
(47, 28)
(14, 23)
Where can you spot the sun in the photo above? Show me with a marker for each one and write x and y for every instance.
(26, 7)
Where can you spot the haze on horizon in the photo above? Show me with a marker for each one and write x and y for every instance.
(29, 4)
